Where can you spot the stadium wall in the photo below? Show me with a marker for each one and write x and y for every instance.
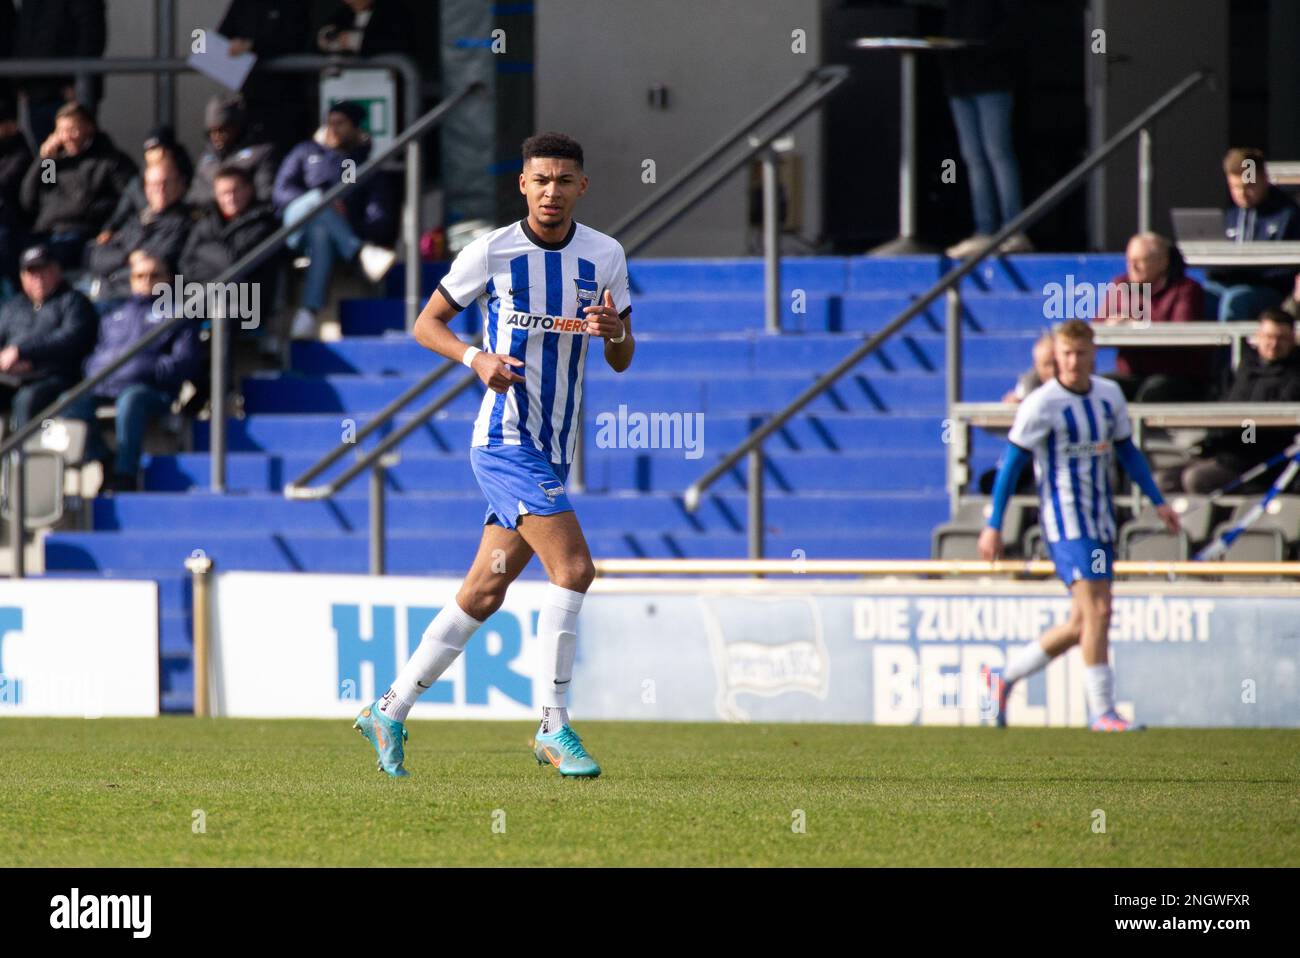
(898, 652)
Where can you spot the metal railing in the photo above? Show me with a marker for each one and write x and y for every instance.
(779, 114)
(751, 447)
(249, 262)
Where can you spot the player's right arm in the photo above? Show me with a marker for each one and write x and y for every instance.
(431, 332)
(1013, 461)
(464, 283)
(1027, 431)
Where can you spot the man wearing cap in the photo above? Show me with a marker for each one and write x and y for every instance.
(229, 144)
(15, 157)
(360, 228)
(45, 334)
(70, 201)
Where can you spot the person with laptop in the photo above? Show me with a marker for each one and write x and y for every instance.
(1260, 213)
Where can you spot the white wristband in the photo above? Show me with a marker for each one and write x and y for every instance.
(470, 353)
(621, 336)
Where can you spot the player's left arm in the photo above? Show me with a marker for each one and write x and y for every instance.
(1135, 464)
(612, 318)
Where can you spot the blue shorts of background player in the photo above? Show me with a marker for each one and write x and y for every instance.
(519, 480)
(1082, 559)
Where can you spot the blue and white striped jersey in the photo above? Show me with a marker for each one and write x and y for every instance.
(1072, 437)
(531, 294)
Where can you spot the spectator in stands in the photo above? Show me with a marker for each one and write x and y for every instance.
(8, 27)
(1043, 369)
(159, 145)
(1155, 283)
(360, 228)
(229, 144)
(1260, 213)
(70, 200)
(45, 334)
(15, 158)
(1270, 373)
(368, 28)
(980, 82)
(275, 102)
(228, 230)
(145, 387)
(161, 227)
(59, 29)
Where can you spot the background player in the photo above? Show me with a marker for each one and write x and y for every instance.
(526, 278)
(1070, 425)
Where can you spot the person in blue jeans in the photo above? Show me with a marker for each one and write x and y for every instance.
(1260, 213)
(146, 386)
(360, 228)
(980, 80)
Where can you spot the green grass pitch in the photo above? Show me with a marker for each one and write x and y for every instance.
(129, 792)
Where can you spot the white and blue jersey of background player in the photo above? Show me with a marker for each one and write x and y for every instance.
(531, 295)
(1071, 437)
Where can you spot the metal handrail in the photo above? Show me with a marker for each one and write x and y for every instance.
(828, 79)
(812, 568)
(751, 445)
(824, 81)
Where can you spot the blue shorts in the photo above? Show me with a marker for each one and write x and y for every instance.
(518, 481)
(1082, 559)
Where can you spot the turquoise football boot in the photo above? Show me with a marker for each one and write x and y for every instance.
(564, 750)
(386, 736)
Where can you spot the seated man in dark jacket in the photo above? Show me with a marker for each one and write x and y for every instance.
(145, 387)
(226, 231)
(1271, 373)
(44, 336)
(162, 227)
(359, 228)
(1260, 213)
(71, 200)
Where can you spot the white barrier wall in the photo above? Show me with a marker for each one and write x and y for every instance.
(77, 647)
(909, 652)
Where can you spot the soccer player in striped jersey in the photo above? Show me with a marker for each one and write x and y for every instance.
(547, 287)
(1070, 426)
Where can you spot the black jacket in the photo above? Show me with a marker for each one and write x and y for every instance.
(15, 158)
(1257, 382)
(56, 338)
(57, 29)
(259, 159)
(215, 244)
(161, 233)
(391, 28)
(84, 191)
(993, 62)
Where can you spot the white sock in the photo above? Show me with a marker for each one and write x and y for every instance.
(557, 634)
(1099, 682)
(553, 719)
(442, 641)
(1025, 661)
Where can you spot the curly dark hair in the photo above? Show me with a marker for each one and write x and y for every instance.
(556, 145)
